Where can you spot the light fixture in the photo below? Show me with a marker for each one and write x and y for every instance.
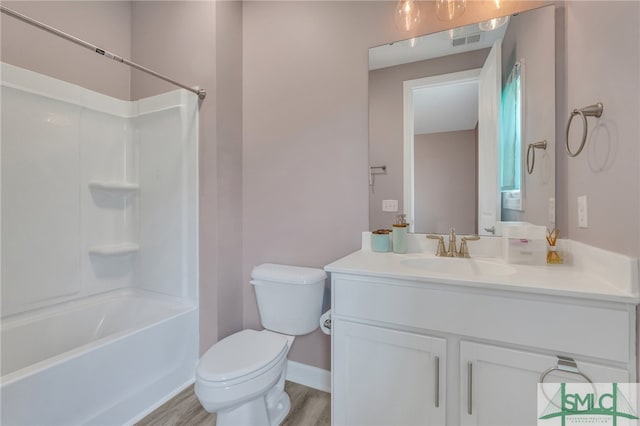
(407, 15)
(493, 24)
(448, 10)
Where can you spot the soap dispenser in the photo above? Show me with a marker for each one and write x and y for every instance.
(399, 235)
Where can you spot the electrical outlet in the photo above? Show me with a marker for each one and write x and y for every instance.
(552, 210)
(582, 212)
(389, 205)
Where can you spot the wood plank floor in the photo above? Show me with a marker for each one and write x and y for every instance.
(309, 407)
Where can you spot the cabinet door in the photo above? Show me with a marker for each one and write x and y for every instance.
(386, 377)
(498, 386)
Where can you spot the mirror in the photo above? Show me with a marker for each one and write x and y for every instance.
(452, 116)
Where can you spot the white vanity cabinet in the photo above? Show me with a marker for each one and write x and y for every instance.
(499, 385)
(387, 377)
(409, 351)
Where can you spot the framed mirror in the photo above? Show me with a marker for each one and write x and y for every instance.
(451, 119)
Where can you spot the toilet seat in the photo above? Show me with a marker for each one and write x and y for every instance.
(241, 356)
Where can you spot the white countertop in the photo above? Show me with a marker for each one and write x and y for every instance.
(592, 274)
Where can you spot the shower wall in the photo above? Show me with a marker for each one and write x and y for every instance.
(98, 194)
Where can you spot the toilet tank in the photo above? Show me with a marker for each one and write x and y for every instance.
(289, 297)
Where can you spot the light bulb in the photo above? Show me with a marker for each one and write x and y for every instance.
(448, 10)
(493, 24)
(407, 14)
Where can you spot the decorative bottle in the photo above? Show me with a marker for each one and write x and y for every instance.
(399, 235)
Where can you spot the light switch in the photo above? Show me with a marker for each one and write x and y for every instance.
(389, 205)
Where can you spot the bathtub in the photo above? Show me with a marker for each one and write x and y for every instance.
(107, 359)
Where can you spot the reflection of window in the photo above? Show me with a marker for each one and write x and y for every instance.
(511, 122)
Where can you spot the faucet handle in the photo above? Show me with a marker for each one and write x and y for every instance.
(440, 251)
(464, 249)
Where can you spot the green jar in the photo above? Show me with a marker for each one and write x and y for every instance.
(380, 240)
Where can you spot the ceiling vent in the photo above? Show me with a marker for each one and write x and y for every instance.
(460, 41)
(474, 38)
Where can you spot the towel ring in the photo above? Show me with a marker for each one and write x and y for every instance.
(568, 365)
(589, 111)
(532, 147)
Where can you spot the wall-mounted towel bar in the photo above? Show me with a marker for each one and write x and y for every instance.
(588, 111)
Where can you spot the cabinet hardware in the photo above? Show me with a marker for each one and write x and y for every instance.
(437, 397)
(469, 388)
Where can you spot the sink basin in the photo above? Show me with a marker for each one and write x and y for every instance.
(458, 266)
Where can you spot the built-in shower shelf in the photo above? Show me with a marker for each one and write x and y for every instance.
(113, 249)
(114, 187)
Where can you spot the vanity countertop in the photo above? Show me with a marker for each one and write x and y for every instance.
(606, 277)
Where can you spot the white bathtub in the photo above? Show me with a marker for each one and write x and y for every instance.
(106, 359)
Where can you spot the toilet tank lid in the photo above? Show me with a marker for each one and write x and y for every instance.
(287, 274)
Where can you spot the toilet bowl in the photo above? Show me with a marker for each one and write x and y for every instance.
(236, 374)
(241, 378)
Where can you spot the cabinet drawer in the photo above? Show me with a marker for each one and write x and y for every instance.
(561, 326)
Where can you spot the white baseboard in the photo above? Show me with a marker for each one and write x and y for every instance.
(308, 375)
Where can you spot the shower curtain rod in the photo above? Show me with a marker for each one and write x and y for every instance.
(200, 92)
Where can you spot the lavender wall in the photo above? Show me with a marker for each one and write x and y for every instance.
(304, 142)
(445, 169)
(602, 45)
(102, 23)
(229, 166)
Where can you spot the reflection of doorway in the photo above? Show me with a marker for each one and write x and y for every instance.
(441, 116)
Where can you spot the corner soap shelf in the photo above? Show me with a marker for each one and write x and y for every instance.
(124, 188)
(114, 249)
(115, 189)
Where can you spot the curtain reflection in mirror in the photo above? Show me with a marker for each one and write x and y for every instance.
(510, 164)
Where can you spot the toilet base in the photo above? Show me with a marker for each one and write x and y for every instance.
(279, 411)
(256, 413)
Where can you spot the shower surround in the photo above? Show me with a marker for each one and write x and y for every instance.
(99, 251)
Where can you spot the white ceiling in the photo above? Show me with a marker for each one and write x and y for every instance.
(432, 46)
(445, 108)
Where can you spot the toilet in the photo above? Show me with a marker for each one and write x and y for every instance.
(241, 378)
